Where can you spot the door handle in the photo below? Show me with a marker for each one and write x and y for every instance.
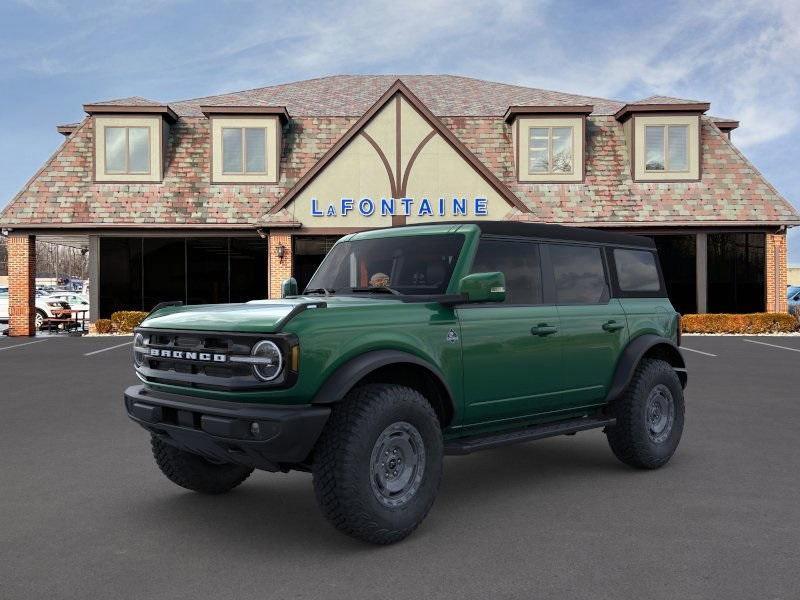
(612, 325)
(543, 329)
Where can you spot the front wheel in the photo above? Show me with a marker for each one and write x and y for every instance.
(378, 463)
(649, 416)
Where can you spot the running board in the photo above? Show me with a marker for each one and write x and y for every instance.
(471, 444)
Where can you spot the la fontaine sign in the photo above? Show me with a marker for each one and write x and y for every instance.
(409, 207)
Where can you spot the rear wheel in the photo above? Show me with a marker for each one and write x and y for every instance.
(378, 463)
(649, 417)
(194, 472)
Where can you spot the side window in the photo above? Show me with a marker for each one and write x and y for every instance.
(579, 274)
(519, 262)
(636, 271)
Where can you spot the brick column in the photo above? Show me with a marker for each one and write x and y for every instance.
(21, 284)
(775, 271)
(279, 269)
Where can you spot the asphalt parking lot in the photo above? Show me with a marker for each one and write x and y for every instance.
(84, 513)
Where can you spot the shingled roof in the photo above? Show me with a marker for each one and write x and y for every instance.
(731, 191)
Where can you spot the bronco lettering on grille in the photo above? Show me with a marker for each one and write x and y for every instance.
(183, 354)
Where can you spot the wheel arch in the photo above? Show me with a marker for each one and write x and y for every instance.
(645, 346)
(391, 366)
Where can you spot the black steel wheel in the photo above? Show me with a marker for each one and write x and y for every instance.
(650, 415)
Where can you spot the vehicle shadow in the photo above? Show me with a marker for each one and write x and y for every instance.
(282, 510)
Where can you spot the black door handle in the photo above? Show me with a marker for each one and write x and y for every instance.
(543, 329)
(612, 325)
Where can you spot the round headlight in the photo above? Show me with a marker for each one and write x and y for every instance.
(269, 360)
(138, 343)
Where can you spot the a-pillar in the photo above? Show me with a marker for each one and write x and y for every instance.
(21, 284)
(279, 261)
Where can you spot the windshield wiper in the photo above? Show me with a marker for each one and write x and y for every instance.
(321, 290)
(381, 289)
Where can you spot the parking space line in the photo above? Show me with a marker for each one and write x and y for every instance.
(20, 345)
(772, 345)
(109, 348)
(698, 351)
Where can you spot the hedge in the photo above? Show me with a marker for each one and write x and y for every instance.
(103, 326)
(124, 321)
(749, 323)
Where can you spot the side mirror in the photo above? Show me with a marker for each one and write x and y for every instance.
(289, 287)
(483, 287)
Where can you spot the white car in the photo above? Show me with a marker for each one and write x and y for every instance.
(47, 307)
(74, 299)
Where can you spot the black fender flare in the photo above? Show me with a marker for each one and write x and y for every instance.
(354, 370)
(633, 354)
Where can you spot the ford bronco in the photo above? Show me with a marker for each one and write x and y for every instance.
(409, 344)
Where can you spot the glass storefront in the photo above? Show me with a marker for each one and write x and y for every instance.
(308, 253)
(678, 256)
(736, 272)
(137, 273)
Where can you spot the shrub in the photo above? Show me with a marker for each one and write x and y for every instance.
(124, 321)
(752, 323)
(103, 326)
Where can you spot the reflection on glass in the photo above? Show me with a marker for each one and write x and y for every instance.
(138, 150)
(115, 149)
(654, 148)
(231, 150)
(678, 147)
(562, 149)
(538, 151)
(255, 149)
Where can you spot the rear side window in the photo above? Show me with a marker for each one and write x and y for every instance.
(579, 274)
(519, 262)
(636, 271)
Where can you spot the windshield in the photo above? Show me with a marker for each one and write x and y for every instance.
(409, 265)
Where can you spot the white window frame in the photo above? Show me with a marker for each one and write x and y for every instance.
(244, 171)
(272, 126)
(665, 148)
(521, 138)
(635, 132)
(158, 132)
(550, 170)
(127, 170)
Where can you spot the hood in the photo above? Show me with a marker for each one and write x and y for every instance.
(257, 316)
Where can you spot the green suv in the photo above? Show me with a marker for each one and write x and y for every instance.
(408, 344)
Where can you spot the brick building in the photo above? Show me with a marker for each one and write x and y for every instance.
(220, 198)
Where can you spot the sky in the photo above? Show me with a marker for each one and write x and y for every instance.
(742, 56)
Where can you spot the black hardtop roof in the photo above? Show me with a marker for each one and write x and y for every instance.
(554, 232)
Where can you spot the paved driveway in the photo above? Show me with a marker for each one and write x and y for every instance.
(84, 513)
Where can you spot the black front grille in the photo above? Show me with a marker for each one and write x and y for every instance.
(195, 371)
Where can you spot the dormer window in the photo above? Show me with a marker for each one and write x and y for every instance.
(245, 143)
(550, 150)
(666, 148)
(244, 150)
(127, 150)
(548, 142)
(129, 140)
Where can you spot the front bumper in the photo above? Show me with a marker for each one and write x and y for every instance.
(261, 436)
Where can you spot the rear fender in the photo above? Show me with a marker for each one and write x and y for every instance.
(645, 346)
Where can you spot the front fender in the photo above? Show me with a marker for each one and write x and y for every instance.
(648, 344)
(355, 369)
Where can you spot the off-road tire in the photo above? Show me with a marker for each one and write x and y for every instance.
(630, 438)
(344, 460)
(194, 472)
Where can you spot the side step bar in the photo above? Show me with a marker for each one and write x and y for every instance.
(471, 444)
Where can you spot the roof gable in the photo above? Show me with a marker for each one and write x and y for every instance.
(398, 174)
